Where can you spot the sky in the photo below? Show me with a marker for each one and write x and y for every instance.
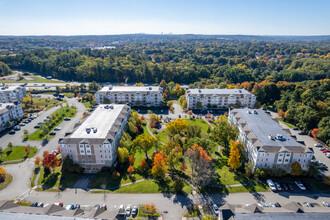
(103, 17)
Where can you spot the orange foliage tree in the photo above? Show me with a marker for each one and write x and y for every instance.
(131, 160)
(159, 164)
(130, 170)
(143, 164)
(45, 153)
(50, 161)
(37, 161)
(315, 131)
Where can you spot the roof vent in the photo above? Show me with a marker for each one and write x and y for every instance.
(150, 88)
(106, 107)
(94, 130)
(111, 106)
(88, 130)
(110, 87)
(255, 112)
(200, 91)
(249, 112)
(240, 91)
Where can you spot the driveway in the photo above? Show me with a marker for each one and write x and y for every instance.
(84, 181)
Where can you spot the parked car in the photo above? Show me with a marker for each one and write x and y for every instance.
(266, 205)
(295, 128)
(41, 204)
(277, 205)
(135, 210)
(60, 204)
(318, 145)
(308, 204)
(290, 187)
(278, 186)
(57, 128)
(52, 133)
(17, 128)
(77, 206)
(69, 207)
(12, 132)
(128, 210)
(300, 185)
(37, 126)
(39, 123)
(215, 209)
(104, 206)
(326, 204)
(34, 204)
(301, 133)
(67, 119)
(121, 207)
(272, 205)
(271, 185)
(22, 124)
(285, 187)
(96, 206)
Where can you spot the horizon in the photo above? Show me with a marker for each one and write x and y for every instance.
(102, 17)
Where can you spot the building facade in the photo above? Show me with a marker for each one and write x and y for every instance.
(219, 98)
(133, 95)
(9, 112)
(93, 143)
(11, 94)
(266, 143)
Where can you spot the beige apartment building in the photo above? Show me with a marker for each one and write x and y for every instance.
(9, 112)
(148, 96)
(11, 94)
(219, 98)
(93, 143)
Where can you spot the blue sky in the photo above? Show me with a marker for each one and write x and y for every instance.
(88, 17)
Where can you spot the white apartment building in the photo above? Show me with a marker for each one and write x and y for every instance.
(12, 94)
(133, 95)
(9, 112)
(93, 143)
(219, 98)
(266, 143)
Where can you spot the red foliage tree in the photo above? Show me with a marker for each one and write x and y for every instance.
(143, 164)
(131, 160)
(315, 131)
(50, 161)
(130, 170)
(45, 153)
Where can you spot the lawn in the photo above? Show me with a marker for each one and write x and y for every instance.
(7, 181)
(87, 104)
(41, 103)
(68, 94)
(142, 214)
(57, 178)
(17, 153)
(106, 178)
(236, 189)
(59, 115)
(35, 79)
(286, 123)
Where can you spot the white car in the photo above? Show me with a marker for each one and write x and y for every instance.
(278, 186)
(326, 204)
(215, 209)
(57, 129)
(271, 185)
(300, 185)
(318, 145)
(135, 210)
(128, 210)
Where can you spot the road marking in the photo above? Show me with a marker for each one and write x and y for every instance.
(25, 194)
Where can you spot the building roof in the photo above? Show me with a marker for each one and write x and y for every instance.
(219, 91)
(130, 89)
(4, 107)
(100, 122)
(262, 126)
(280, 216)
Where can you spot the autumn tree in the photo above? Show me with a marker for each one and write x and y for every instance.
(314, 132)
(281, 113)
(183, 166)
(173, 158)
(223, 133)
(200, 165)
(144, 143)
(37, 161)
(58, 150)
(178, 185)
(50, 161)
(130, 170)
(143, 164)
(296, 169)
(234, 156)
(158, 166)
(123, 155)
(3, 171)
(131, 160)
(27, 150)
(45, 153)
(176, 127)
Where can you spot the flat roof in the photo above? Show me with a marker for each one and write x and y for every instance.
(102, 119)
(219, 91)
(262, 126)
(9, 88)
(131, 89)
(281, 216)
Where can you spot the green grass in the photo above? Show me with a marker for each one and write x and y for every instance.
(21, 203)
(35, 79)
(236, 189)
(17, 153)
(141, 214)
(68, 94)
(87, 104)
(41, 102)
(59, 115)
(286, 123)
(57, 178)
(106, 178)
(199, 123)
(162, 136)
(7, 181)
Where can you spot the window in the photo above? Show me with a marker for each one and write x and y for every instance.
(90, 161)
(82, 152)
(266, 159)
(89, 156)
(84, 161)
(286, 160)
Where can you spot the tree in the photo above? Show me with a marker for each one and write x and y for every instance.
(144, 143)
(27, 150)
(200, 164)
(173, 158)
(10, 146)
(281, 113)
(37, 161)
(130, 170)
(183, 166)
(315, 132)
(50, 161)
(296, 169)
(123, 155)
(234, 156)
(3, 171)
(313, 169)
(26, 134)
(143, 164)
(223, 132)
(58, 150)
(178, 185)
(248, 168)
(131, 160)
(159, 165)
(176, 127)
(45, 153)
(93, 86)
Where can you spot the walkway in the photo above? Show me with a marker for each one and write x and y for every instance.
(148, 123)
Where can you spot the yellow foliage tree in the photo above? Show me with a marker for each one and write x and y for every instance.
(234, 156)
(176, 127)
(3, 171)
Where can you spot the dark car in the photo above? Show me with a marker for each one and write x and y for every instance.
(12, 132)
(77, 206)
(295, 128)
(37, 126)
(96, 206)
(290, 187)
(67, 119)
(301, 133)
(308, 186)
(277, 205)
(285, 187)
(35, 204)
(52, 133)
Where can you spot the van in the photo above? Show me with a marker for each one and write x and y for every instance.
(271, 185)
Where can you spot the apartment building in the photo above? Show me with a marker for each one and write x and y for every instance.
(11, 94)
(133, 95)
(219, 98)
(9, 112)
(266, 143)
(93, 143)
